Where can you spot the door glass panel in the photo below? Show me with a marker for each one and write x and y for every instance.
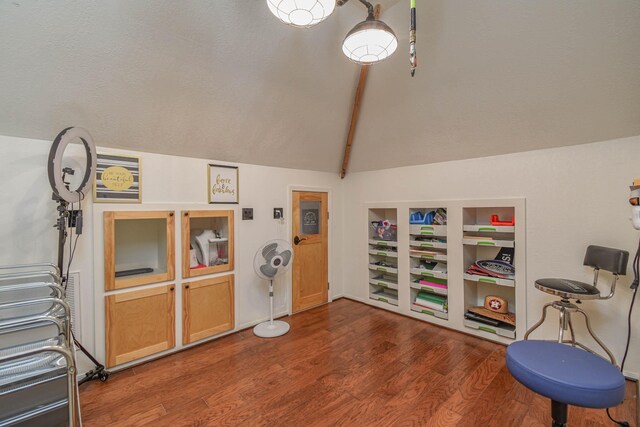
(310, 217)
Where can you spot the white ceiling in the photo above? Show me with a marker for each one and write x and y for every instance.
(225, 80)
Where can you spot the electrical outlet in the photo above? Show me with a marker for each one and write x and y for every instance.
(278, 213)
(247, 213)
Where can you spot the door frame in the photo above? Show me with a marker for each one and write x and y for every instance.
(289, 216)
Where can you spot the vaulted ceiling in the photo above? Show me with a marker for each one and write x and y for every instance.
(226, 80)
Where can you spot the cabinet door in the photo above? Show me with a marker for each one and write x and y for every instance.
(207, 308)
(139, 323)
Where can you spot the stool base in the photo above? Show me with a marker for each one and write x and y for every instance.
(559, 414)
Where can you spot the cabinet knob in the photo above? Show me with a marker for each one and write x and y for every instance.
(186, 214)
(186, 287)
(171, 288)
(170, 213)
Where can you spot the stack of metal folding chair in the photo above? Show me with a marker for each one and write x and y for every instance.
(37, 362)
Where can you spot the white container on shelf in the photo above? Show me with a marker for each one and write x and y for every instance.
(427, 230)
(492, 280)
(435, 313)
(383, 243)
(383, 283)
(428, 273)
(390, 254)
(431, 289)
(489, 242)
(429, 257)
(384, 296)
(504, 331)
(422, 244)
(490, 228)
(383, 269)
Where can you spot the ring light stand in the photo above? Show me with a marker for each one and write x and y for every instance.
(63, 195)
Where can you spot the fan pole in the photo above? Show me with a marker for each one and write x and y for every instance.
(271, 302)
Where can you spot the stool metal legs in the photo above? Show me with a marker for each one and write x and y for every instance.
(565, 308)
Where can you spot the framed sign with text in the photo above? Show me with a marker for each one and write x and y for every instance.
(223, 184)
(117, 179)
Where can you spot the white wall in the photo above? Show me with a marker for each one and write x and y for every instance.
(575, 196)
(28, 215)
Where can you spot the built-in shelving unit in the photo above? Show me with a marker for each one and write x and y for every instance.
(383, 255)
(484, 241)
(428, 268)
(425, 268)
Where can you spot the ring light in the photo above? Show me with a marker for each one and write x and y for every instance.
(55, 164)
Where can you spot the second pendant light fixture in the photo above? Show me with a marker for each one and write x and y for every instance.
(369, 42)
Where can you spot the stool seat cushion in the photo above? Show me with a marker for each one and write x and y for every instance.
(566, 374)
(568, 288)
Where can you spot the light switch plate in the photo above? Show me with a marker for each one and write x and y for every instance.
(247, 213)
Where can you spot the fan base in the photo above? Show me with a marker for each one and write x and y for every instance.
(271, 330)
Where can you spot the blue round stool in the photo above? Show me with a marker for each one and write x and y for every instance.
(566, 375)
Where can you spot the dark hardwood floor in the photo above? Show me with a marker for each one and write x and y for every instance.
(344, 363)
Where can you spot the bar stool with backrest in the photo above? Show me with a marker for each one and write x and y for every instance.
(599, 258)
(565, 374)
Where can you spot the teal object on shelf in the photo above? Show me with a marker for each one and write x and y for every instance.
(419, 218)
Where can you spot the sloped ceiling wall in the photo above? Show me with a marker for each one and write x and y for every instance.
(225, 80)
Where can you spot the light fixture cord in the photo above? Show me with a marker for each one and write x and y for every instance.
(369, 8)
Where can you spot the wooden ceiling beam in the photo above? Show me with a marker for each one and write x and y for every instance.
(355, 112)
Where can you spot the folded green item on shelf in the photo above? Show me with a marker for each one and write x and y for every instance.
(431, 297)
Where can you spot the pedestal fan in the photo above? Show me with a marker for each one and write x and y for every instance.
(273, 259)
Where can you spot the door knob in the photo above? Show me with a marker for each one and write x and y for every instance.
(297, 240)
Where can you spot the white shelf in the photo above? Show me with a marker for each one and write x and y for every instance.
(384, 296)
(428, 273)
(506, 331)
(426, 257)
(490, 228)
(383, 243)
(431, 289)
(435, 313)
(390, 254)
(383, 269)
(422, 244)
(427, 230)
(384, 283)
(492, 280)
(491, 243)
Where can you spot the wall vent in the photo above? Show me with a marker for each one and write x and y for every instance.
(73, 299)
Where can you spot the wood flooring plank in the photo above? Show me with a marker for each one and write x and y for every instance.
(342, 364)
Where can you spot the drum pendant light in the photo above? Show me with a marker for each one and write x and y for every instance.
(302, 13)
(370, 41)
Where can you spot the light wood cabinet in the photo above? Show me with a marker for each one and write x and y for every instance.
(209, 233)
(207, 308)
(139, 323)
(142, 241)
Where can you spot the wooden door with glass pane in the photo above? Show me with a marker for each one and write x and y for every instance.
(310, 281)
